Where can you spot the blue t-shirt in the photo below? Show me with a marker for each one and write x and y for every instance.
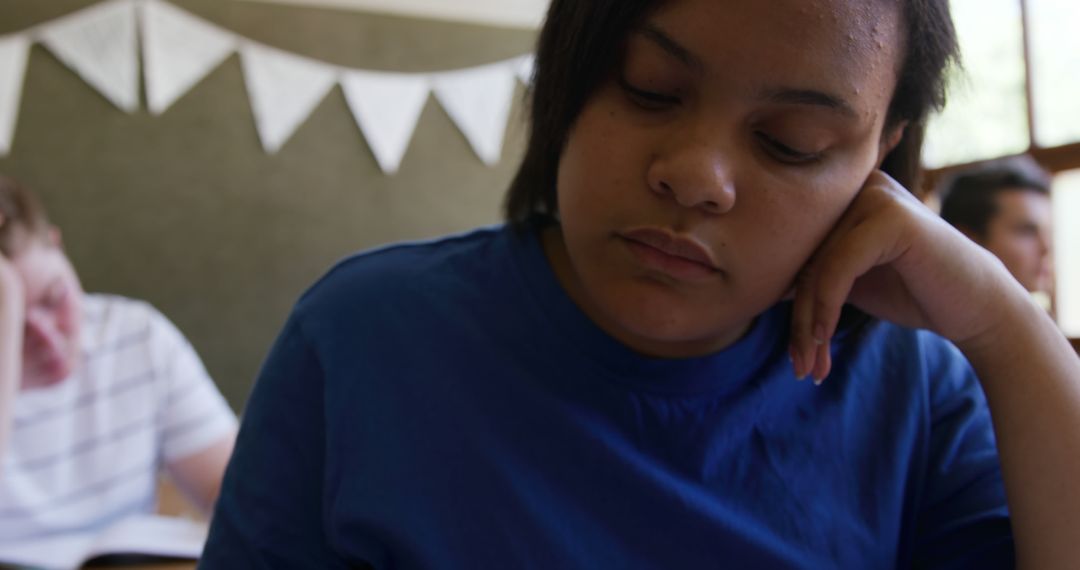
(446, 405)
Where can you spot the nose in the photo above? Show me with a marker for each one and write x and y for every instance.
(1045, 243)
(695, 174)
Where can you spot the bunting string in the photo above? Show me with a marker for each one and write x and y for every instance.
(102, 45)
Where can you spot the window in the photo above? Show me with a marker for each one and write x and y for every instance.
(1019, 92)
(1066, 199)
(987, 109)
(1055, 66)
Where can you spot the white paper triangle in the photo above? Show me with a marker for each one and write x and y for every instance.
(284, 89)
(387, 107)
(524, 68)
(13, 50)
(478, 100)
(99, 44)
(179, 49)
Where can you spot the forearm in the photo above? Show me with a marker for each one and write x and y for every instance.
(11, 329)
(1031, 378)
(199, 475)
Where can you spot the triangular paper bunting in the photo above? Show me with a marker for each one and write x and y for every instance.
(99, 44)
(524, 68)
(178, 51)
(478, 100)
(284, 90)
(387, 107)
(13, 50)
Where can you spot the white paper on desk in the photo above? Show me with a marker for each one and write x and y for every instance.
(387, 107)
(13, 51)
(143, 534)
(99, 44)
(179, 50)
(478, 100)
(284, 89)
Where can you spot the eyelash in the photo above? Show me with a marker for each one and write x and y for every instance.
(785, 153)
(649, 100)
(652, 101)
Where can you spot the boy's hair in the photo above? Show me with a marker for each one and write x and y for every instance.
(22, 218)
(969, 199)
(582, 40)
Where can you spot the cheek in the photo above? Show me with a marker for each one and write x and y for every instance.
(601, 160)
(794, 221)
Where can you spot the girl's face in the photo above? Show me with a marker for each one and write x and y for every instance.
(53, 315)
(701, 176)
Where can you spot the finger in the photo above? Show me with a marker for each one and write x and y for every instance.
(806, 342)
(807, 335)
(830, 278)
(823, 363)
(801, 321)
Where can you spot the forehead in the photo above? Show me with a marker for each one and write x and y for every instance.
(1022, 203)
(849, 47)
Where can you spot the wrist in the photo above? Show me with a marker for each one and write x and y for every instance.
(1014, 324)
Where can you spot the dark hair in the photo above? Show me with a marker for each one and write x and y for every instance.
(21, 217)
(581, 42)
(969, 198)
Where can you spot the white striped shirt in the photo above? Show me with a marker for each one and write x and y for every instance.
(86, 451)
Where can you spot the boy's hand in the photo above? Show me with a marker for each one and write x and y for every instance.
(12, 296)
(893, 258)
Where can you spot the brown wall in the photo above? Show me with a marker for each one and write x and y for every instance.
(186, 211)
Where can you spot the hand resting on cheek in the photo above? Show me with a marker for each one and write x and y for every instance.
(893, 258)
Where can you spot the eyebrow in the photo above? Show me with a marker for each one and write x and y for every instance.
(672, 47)
(786, 96)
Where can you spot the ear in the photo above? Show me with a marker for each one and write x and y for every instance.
(889, 139)
(970, 234)
(55, 237)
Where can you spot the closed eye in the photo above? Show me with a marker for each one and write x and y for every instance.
(785, 153)
(650, 100)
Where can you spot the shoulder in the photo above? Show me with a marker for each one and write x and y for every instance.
(107, 318)
(114, 321)
(116, 309)
(917, 362)
(403, 271)
(894, 344)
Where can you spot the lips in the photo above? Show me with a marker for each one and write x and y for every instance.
(678, 256)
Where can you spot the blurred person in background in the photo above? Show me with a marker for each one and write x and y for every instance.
(1005, 207)
(98, 394)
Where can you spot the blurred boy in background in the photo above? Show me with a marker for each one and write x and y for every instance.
(1005, 207)
(98, 393)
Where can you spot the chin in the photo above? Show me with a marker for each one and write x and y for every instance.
(672, 326)
(47, 377)
(38, 382)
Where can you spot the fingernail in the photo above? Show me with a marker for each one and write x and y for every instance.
(818, 381)
(796, 363)
(819, 333)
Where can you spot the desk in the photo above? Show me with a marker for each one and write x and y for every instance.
(186, 565)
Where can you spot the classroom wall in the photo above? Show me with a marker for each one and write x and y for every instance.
(187, 211)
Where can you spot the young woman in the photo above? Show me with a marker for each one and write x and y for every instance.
(97, 394)
(610, 380)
